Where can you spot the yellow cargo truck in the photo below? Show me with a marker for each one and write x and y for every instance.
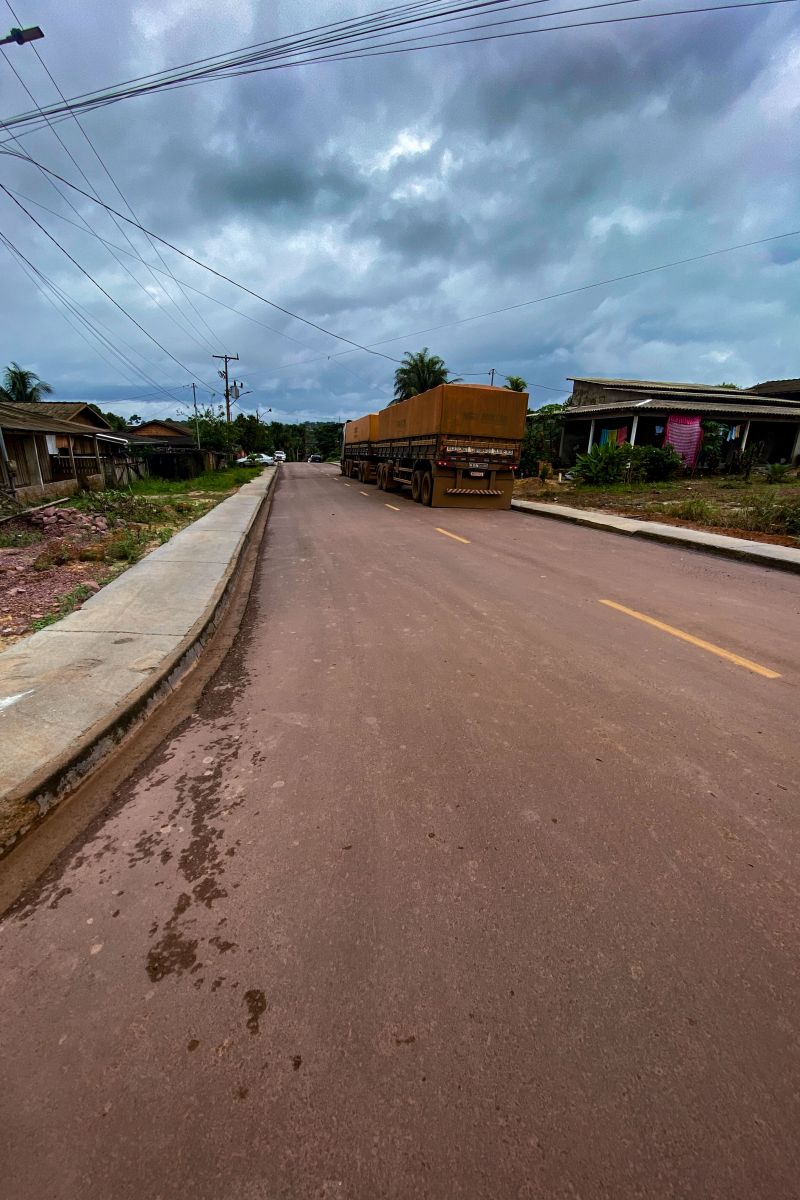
(456, 446)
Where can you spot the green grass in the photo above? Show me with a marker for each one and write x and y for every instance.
(66, 605)
(209, 481)
(17, 539)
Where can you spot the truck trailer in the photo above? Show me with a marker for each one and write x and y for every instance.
(455, 446)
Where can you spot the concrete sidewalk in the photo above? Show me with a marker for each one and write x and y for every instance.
(784, 558)
(69, 693)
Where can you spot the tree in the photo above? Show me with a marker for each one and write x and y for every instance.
(417, 373)
(542, 436)
(118, 423)
(23, 387)
(515, 383)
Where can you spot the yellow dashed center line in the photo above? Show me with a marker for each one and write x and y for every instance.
(454, 536)
(393, 507)
(363, 493)
(694, 641)
(348, 485)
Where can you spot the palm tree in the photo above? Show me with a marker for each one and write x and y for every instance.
(417, 373)
(23, 387)
(515, 383)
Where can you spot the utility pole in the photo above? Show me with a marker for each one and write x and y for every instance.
(196, 418)
(226, 358)
(491, 379)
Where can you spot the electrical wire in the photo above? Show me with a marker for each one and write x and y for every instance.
(184, 254)
(50, 290)
(120, 228)
(303, 49)
(99, 286)
(111, 178)
(371, 348)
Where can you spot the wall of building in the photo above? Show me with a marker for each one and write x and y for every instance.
(57, 488)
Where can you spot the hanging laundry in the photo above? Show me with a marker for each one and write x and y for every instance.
(622, 435)
(659, 428)
(684, 434)
(604, 436)
(734, 433)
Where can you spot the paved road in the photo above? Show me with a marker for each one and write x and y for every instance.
(459, 883)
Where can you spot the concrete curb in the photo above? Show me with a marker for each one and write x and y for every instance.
(780, 558)
(56, 779)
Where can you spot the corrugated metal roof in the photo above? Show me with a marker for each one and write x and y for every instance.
(698, 389)
(779, 385)
(24, 418)
(64, 410)
(697, 405)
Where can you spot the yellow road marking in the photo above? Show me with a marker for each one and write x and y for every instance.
(452, 535)
(363, 493)
(393, 507)
(348, 485)
(694, 641)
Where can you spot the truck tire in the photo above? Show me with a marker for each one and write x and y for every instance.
(381, 478)
(416, 486)
(426, 489)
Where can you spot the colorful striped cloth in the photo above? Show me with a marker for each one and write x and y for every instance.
(685, 434)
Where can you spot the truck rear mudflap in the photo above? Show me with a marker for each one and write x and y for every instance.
(447, 493)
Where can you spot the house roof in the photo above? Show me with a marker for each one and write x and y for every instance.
(699, 405)
(176, 428)
(650, 385)
(712, 391)
(68, 410)
(778, 387)
(35, 418)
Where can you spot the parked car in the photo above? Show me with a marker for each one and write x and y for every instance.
(256, 460)
(280, 456)
(314, 458)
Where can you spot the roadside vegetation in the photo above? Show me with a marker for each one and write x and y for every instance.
(54, 559)
(741, 496)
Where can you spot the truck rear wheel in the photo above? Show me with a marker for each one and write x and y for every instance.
(381, 478)
(426, 489)
(416, 486)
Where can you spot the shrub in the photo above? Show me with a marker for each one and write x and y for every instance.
(126, 547)
(654, 464)
(56, 554)
(766, 514)
(603, 465)
(777, 472)
(544, 472)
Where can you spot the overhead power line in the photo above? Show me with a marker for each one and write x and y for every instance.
(183, 253)
(365, 37)
(371, 348)
(99, 286)
(72, 312)
(84, 223)
(111, 179)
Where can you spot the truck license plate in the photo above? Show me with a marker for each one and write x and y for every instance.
(477, 474)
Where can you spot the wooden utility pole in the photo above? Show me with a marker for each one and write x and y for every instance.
(196, 418)
(226, 358)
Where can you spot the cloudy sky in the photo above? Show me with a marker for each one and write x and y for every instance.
(386, 196)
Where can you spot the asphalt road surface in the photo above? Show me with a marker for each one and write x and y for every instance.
(460, 882)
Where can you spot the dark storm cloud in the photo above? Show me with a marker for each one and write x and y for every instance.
(384, 196)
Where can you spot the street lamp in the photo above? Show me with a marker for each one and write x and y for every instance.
(21, 36)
